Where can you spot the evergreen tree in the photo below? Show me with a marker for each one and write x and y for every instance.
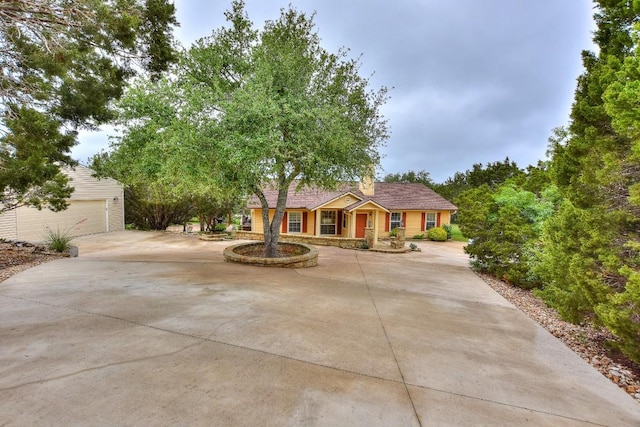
(63, 62)
(589, 261)
(504, 226)
(422, 177)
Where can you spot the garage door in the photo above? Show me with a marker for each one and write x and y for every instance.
(80, 218)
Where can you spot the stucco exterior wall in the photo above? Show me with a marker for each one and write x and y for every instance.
(257, 223)
(413, 223)
(412, 226)
(341, 202)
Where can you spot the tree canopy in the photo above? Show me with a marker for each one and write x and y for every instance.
(590, 259)
(570, 225)
(493, 174)
(422, 177)
(63, 63)
(258, 109)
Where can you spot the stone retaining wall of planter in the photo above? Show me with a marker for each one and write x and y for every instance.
(235, 254)
(341, 242)
(213, 237)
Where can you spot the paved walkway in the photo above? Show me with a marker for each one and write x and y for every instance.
(156, 329)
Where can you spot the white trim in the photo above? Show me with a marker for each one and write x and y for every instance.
(391, 227)
(106, 210)
(426, 220)
(335, 223)
(347, 194)
(289, 222)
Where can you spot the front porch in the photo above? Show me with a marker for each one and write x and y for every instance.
(341, 242)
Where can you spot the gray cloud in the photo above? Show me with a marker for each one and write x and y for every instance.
(473, 82)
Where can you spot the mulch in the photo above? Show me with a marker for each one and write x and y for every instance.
(590, 342)
(19, 256)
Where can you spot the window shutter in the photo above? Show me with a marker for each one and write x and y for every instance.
(304, 222)
(404, 219)
(387, 221)
(284, 223)
(423, 221)
(438, 220)
(339, 224)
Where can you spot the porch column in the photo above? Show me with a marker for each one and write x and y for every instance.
(375, 227)
(352, 224)
(316, 229)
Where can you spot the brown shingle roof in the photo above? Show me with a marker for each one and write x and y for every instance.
(391, 195)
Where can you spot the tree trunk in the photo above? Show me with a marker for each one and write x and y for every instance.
(271, 245)
(272, 228)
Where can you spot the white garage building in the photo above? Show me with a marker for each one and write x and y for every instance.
(96, 206)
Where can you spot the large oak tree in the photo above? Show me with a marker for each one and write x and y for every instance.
(263, 109)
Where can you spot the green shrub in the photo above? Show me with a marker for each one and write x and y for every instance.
(58, 241)
(447, 228)
(620, 313)
(364, 245)
(393, 232)
(219, 228)
(437, 234)
(418, 237)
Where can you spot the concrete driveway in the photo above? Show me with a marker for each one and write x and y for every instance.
(156, 329)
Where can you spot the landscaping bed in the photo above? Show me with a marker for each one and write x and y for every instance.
(19, 256)
(587, 341)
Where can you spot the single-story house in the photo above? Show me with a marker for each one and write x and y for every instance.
(348, 211)
(96, 206)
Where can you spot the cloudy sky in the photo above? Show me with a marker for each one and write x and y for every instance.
(472, 81)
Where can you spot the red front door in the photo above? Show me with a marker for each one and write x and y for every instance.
(361, 223)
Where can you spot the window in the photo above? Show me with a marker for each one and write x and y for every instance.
(430, 220)
(396, 220)
(295, 222)
(328, 222)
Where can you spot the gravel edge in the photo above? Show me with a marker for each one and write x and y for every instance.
(36, 254)
(586, 340)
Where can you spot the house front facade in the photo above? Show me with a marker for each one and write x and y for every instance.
(354, 207)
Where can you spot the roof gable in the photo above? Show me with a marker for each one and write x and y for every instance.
(387, 195)
(342, 195)
(409, 196)
(365, 204)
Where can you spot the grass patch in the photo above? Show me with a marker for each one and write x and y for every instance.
(456, 234)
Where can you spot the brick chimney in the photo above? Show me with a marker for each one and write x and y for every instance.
(367, 184)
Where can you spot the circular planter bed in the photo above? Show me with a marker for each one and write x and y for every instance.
(291, 255)
(213, 237)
